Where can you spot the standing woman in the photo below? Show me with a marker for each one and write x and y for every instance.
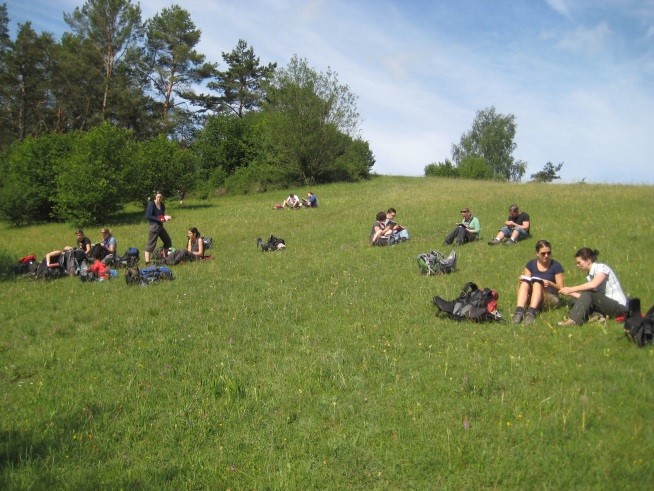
(156, 215)
(541, 293)
(601, 293)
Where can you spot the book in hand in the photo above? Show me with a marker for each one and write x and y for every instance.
(531, 279)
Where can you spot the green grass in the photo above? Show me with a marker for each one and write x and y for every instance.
(323, 366)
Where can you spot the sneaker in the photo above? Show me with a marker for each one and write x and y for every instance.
(530, 318)
(567, 323)
(597, 317)
(510, 242)
(517, 318)
(494, 241)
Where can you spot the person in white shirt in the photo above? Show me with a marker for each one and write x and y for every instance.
(601, 293)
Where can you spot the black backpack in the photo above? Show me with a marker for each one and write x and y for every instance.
(473, 303)
(45, 272)
(129, 259)
(637, 327)
(273, 244)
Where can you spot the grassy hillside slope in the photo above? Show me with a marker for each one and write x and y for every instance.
(323, 366)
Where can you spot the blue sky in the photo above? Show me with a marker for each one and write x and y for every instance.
(577, 74)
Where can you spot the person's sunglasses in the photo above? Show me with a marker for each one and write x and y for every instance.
(545, 253)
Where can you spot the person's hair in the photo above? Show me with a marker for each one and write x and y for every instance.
(381, 216)
(79, 231)
(391, 210)
(587, 253)
(158, 192)
(105, 231)
(542, 243)
(195, 232)
(513, 208)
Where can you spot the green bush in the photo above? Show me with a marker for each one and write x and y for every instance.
(90, 181)
(255, 178)
(442, 169)
(159, 164)
(475, 168)
(29, 190)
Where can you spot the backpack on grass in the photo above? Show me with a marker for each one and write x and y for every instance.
(45, 272)
(639, 328)
(129, 259)
(434, 262)
(208, 243)
(273, 244)
(26, 265)
(146, 276)
(473, 303)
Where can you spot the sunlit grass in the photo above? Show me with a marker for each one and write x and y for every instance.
(323, 366)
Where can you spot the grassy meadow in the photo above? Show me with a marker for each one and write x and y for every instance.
(323, 366)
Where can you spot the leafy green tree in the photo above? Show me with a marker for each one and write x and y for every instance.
(113, 27)
(25, 81)
(241, 84)
(491, 137)
(176, 65)
(309, 118)
(158, 164)
(548, 174)
(442, 169)
(91, 180)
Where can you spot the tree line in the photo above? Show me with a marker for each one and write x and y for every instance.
(119, 107)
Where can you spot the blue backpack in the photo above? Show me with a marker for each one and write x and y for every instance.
(146, 276)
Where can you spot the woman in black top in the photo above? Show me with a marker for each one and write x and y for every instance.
(156, 215)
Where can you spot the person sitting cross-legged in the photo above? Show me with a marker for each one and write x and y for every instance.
(515, 228)
(466, 231)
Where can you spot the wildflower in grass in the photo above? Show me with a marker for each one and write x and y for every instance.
(466, 423)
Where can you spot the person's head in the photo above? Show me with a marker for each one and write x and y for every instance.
(105, 232)
(158, 196)
(544, 251)
(391, 213)
(466, 213)
(514, 211)
(585, 257)
(193, 233)
(381, 216)
(79, 233)
(310, 193)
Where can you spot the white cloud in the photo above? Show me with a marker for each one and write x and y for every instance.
(559, 6)
(587, 41)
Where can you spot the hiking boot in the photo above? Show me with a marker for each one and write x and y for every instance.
(510, 242)
(517, 318)
(494, 241)
(530, 318)
(567, 323)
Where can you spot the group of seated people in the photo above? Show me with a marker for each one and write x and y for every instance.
(386, 230)
(294, 201)
(541, 284)
(106, 250)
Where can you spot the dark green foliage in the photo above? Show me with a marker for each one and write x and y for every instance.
(159, 164)
(442, 169)
(29, 188)
(548, 174)
(91, 181)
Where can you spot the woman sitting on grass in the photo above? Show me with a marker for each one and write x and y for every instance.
(105, 250)
(539, 284)
(379, 229)
(194, 249)
(602, 292)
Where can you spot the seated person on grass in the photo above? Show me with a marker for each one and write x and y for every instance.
(293, 202)
(539, 285)
(466, 231)
(311, 201)
(515, 228)
(83, 248)
(105, 250)
(379, 229)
